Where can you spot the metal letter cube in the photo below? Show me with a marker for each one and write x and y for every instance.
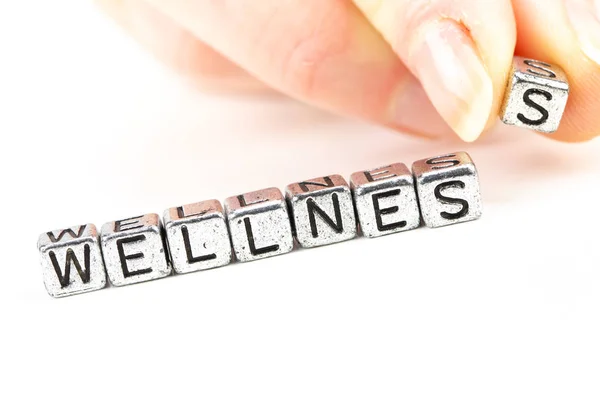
(197, 236)
(536, 95)
(134, 250)
(448, 189)
(72, 261)
(386, 200)
(259, 224)
(323, 211)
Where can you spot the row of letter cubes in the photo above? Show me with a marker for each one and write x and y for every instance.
(443, 190)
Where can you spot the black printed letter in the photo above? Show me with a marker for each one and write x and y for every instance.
(253, 249)
(451, 200)
(62, 233)
(533, 104)
(84, 274)
(390, 210)
(440, 161)
(126, 272)
(313, 209)
(304, 185)
(126, 224)
(188, 249)
(540, 66)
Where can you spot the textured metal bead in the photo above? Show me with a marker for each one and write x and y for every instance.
(448, 189)
(71, 260)
(323, 211)
(134, 250)
(259, 224)
(197, 236)
(385, 200)
(536, 95)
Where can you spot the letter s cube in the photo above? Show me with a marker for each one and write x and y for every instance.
(536, 95)
(448, 189)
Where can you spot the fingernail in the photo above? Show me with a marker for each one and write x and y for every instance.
(585, 18)
(444, 59)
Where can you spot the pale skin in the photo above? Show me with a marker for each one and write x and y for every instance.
(427, 67)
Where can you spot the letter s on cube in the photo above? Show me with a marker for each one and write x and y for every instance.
(448, 189)
(536, 95)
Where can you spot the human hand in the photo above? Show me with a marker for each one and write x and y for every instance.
(425, 67)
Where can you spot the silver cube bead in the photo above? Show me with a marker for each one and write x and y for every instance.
(134, 250)
(197, 236)
(536, 95)
(72, 261)
(322, 210)
(386, 200)
(259, 224)
(448, 189)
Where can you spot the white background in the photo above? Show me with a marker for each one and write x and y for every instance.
(93, 129)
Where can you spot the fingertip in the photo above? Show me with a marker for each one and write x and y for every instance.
(561, 36)
(453, 74)
(460, 51)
